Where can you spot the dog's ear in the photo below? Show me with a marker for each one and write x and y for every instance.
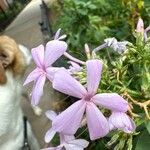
(3, 78)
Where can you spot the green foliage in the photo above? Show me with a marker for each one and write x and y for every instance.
(148, 126)
(143, 141)
(91, 21)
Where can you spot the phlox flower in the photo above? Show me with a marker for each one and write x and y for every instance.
(68, 121)
(66, 141)
(44, 60)
(119, 47)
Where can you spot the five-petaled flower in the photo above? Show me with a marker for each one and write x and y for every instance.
(66, 141)
(44, 60)
(70, 119)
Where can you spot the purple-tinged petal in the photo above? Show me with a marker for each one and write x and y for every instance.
(38, 56)
(97, 123)
(74, 64)
(64, 138)
(111, 41)
(146, 32)
(69, 120)
(51, 115)
(111, 101)
(111, 126)
(65, 83)
(38, 90)
(121, 121)
(72, 147)
(94, 69)
(33, 76)
(49, 135)
(74, 67)
(140, 26)
(54, 50)
(50, 72)
(79, 142)
(57, 34)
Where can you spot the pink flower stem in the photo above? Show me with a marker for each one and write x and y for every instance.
(73, 58)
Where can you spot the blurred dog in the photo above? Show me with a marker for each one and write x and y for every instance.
(13, 62)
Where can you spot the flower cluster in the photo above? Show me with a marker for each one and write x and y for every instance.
(89, 104)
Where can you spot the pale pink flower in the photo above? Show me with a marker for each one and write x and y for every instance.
(66, 141)
(44, 60)
(120, 120)
(70, 119)
(119, 47)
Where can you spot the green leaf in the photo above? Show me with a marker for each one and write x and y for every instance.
(148, 126)
(143, 141)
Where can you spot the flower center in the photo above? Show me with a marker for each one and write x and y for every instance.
(42, 71)
(87, 97)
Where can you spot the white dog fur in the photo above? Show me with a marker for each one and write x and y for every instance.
(11, 115)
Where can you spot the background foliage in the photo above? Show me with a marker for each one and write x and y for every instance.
(91, 21)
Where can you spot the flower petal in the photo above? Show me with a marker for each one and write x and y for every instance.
(49, 135)
(111, 101)
(94, 69)
(97, 123)
(72, 147)
(51, 72)
(67, 137)
(79, 142)
(57, 34)
(33, 76)
(38, 55)
(53, 148)
(69, 120)
(140, 26)
(65, 83)
(74, 67)
(38, 90)
(122, 121)
(54, 50)
(51, 115)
